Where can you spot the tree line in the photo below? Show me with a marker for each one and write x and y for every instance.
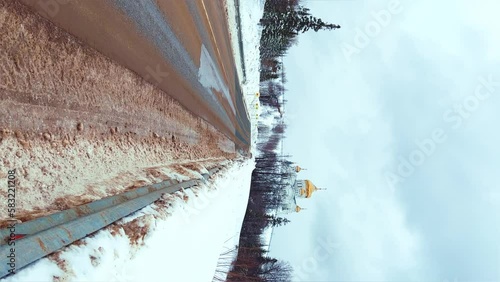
(282, 22)
(253, 262)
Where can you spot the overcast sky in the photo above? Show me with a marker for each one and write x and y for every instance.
(402, 126)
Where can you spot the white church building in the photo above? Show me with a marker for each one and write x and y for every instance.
(295, 189)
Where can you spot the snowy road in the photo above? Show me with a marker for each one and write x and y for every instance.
(73, 122)
(183, 47)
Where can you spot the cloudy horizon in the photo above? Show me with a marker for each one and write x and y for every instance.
(395, 113)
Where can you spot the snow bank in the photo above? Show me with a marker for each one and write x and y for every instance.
(184, 237)
(251, 12)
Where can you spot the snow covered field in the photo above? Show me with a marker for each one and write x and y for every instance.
(181, 236)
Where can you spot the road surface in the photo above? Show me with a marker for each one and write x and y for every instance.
(182, 47)
(78, 124)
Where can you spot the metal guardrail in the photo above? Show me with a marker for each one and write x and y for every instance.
(48, 234)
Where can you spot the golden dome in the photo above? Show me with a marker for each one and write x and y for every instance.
(310, 188)
(297, 209)
(298, 168)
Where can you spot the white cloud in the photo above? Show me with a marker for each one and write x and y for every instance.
(367, 112)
